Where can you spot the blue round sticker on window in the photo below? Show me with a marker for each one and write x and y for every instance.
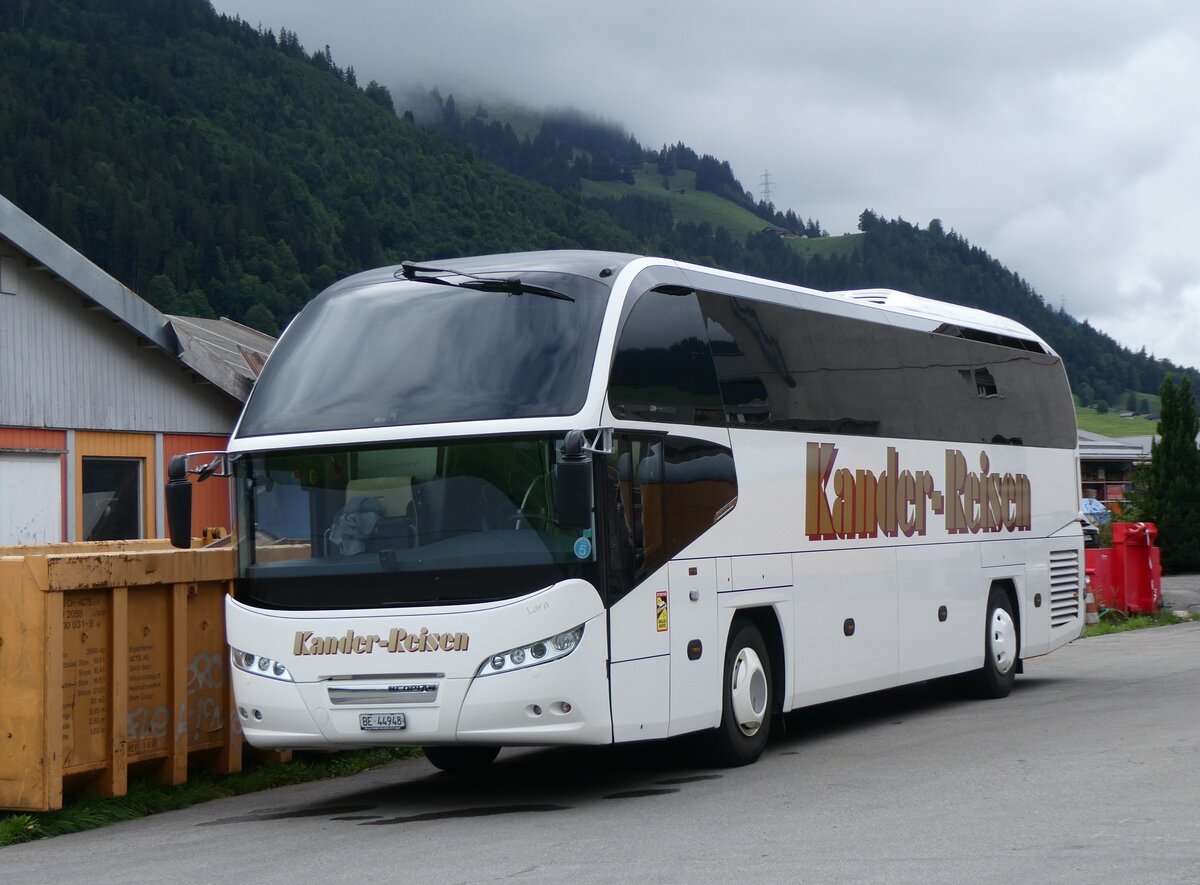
(583, 548)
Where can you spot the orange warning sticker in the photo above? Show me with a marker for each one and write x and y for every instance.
(660, 609)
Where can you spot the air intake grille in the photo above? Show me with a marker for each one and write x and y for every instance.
(1064, 587)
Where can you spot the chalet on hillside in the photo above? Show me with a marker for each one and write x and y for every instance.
(98, 390)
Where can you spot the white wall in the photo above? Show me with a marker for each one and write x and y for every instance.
(30, 499)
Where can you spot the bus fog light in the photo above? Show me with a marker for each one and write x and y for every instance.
(565, 707)
(258, 715)
(541, 652)
(535, 710)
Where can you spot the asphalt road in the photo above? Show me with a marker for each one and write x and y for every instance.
(1086, 773)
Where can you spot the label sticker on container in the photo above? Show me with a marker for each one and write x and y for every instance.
(660, 610)
(583, 548)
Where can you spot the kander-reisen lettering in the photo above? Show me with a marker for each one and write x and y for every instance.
(858, 503)
(398, 640)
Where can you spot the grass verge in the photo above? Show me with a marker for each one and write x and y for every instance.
(1114, 621)
(87, 812)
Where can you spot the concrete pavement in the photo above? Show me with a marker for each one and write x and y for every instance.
(1181, 593)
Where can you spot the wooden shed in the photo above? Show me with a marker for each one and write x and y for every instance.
(98, 390)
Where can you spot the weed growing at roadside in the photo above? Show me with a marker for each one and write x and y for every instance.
(1114, 621)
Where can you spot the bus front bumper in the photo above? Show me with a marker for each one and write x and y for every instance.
(563, 701)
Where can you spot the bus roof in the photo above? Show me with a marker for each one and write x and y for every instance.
(927, 314)
(948, 316)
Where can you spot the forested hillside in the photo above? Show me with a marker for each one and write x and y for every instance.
(218, 169)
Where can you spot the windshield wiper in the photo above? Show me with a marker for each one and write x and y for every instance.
(510, 286)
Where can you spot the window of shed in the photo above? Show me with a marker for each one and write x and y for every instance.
(112, 499)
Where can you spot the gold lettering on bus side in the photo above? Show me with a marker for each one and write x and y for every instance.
(972, 502)
(818, 519)
(986, 501)
(907, 503)
(845, 503)
(866, 519)
(1024, 503)
(302, 637)
(956, 487)
(925, 492)
(885, 496)
(991, 496)
(849, 502)
(1008, 490)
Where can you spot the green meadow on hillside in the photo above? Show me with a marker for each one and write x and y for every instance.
(700, 207)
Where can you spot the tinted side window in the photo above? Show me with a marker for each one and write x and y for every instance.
(662, 369)
(662, 493)
(784, 368)
(763, 358)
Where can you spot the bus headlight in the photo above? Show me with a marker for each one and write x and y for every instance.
(543, 651)
(260, 666)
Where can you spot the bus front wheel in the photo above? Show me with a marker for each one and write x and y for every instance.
(745, 699)
(1001, 649)
(461, 758)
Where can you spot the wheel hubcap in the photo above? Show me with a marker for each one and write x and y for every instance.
(748, 691)
(1002, 641)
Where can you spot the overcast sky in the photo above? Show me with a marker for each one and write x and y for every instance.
(1062, 137)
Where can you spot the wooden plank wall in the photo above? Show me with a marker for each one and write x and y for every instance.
(112, 658)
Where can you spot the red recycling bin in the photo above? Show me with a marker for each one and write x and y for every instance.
(1138, 572)
(1105, 565)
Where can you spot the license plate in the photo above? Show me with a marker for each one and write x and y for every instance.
(381, 721)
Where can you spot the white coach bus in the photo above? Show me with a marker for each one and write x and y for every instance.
(586, 498)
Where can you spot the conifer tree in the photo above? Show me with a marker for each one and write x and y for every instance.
(1173, 488)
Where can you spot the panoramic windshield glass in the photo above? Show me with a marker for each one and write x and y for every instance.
(394, 352)
(459, 520)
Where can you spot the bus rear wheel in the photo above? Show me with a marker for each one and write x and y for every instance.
(461, 758)
(745, 699)
(1001, 646)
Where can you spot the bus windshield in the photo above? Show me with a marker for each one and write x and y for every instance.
(390, 352)
(356, 527)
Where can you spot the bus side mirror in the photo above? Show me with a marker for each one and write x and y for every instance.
(573, 485)
(179, 503)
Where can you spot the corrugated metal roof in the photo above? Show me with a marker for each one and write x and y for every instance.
(1094, 447)
(225, 352)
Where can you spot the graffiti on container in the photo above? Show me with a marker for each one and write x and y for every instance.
(145, 723)
(206, 671)
(200, 716)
